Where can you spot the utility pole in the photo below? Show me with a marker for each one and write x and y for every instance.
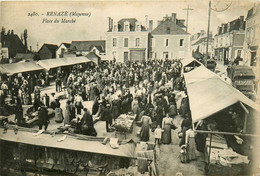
(207, 46)
(188, 9)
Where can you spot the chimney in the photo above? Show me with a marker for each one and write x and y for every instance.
(146, 21)
(150, 25)
(165, 18)
(109, 23)
(174, 17)
(242, 26)
(159, 22)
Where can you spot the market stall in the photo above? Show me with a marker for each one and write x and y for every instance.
(20, 67)
(225, 124)
(124, 124)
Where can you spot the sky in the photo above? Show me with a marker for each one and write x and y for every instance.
(14, 15)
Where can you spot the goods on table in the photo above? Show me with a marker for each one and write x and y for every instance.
(222, 155)
(124, 123)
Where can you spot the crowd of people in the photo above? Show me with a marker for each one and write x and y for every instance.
(151, 90)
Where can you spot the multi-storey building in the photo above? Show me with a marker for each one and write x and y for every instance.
(169, 40)
(126, 40)
(228, 42)
(251, 48)
(199, 43)
(129, 39)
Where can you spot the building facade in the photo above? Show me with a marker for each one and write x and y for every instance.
(228, 42)
(251, 49)
(82, 48)
(13, 45)
(169, 40)
(47, 51)
(199, 43)
(127, 40)
(62, 50)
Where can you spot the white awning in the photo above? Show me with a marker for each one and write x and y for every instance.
(209, 94)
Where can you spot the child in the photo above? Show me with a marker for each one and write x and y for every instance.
(158, 135)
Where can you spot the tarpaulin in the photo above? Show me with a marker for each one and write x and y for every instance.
(51, 63)
(70, 143)
(209, 94)
(19, 67)
(188, 61)
(54, 63)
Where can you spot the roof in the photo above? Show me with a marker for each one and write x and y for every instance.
(100, 48)
(86, 45)
(251, 12)
(70, 143)
(54, 63)
(67, 45)
(13, 43)
(234, 25)
(204, 39)
(168, 24)
(132, 22)
(189, 61)
(51, 47)
(25, 56)
(221, 95)
(241, 70)
(93, 57)
(19, 67)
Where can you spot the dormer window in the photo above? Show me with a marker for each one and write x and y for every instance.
(115, 27)
(168, 30)
(126, 27)
(138, 27)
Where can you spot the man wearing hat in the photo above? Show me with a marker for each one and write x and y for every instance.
(108, 117)
(43, 117)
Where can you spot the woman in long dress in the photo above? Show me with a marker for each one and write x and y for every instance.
(191, 146)
(166, 125)
(67, 113)
(58, 114)
(145, 129)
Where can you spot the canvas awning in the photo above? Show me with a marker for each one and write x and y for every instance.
(70, 143)
(190, 61)
(75, 60)
(51, 63)
(19, 67)
(209, 94)
(54, 63)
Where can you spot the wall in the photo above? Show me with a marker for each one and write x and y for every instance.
(175, 51)
(58, 52)
(120, 49)
(45, 53)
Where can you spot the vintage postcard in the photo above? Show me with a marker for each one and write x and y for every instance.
(116, 88)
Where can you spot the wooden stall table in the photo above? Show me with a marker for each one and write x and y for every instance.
(124, 124)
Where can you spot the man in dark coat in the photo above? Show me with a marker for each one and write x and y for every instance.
(87, 124)
(108, 117)
(43, 117)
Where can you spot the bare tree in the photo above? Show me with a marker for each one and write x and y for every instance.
(25, 35)
(21, 37)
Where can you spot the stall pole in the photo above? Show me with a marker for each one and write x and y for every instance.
(209, 150)
(246, 114)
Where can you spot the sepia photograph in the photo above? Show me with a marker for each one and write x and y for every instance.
(130, 88)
